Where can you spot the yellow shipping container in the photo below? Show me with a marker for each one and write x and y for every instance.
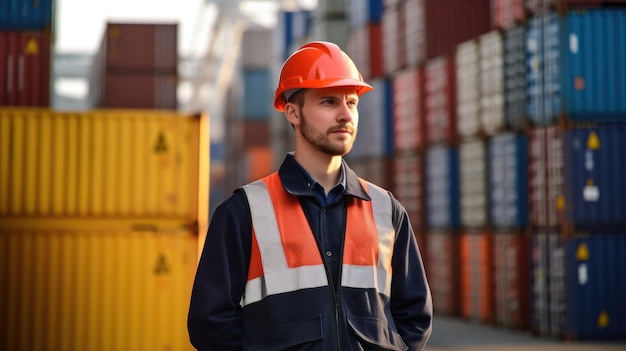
(101, 164)
(99, 290)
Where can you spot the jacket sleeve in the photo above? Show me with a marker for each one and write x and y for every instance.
(411, 302)
(214, 321)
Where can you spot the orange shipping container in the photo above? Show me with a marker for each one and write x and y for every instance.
(476, 276)
(96, 290)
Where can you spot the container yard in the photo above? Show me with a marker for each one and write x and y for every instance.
(500, 125)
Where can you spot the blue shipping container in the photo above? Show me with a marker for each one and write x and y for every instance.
(25, 14)
(362, 12)
(595, 175)
(442, 187)
(375, 127)
(596, 286)
(508, 181)
(580, 56)
(515, 77)
(257, 94)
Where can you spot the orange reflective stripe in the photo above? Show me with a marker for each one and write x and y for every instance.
(361, 244)
(295, 233)
(256, 266)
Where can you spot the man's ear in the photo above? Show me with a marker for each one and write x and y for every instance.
(291, 113)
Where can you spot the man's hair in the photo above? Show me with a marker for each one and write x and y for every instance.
(297, 97)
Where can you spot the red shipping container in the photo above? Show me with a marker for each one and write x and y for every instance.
(511, 279)
(140, 91)
(442, 269)
(476, 279)
(408, 185)
(25, 68)
(393, 38)
(507, 13)
(408, 110)
(365, 48)
(140, 47)
(440, 101)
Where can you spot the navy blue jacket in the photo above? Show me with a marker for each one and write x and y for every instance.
(216, 320)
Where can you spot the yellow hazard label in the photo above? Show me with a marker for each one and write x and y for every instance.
(560, 202)
(162, 266)
(603, 319)
(161, 144)
(582, 252)
(593, 142)
(32, 47)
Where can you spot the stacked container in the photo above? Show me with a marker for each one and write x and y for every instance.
(26, 32)
(102, 216)
(136, 66)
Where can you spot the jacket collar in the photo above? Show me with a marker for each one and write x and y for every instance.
(295, 181)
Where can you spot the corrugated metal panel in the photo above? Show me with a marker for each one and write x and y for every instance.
(439, 95)
(25, 15)
(374, 137)
(100, 164)
(467, 72)
(473, 183)
(415, 31)
(594, 189)
(362, 12)
(507, 13)
(511, 273)
(254, 133)
(394, 42)
(140, 47)
(366, 50)
(596, 279)
(442, 187)
(534, 71)
(408, 187)
(545, 166)
(257, 94)
(515, 77)
(442, 269)
(256, 49)
(140, 91)
(25, 68)
(548, 287)
(476, 277)
(508, 181)
(581, 66)
(408, 112)
(491, 63)
(96, 290)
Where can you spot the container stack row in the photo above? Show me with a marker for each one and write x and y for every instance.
(26, 35)
(500, 126)
(136, 66)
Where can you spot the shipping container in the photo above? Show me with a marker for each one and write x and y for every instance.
(362, 12)
(594, 187)
(256, 49)
(442, 264)
(507, 13)
(473, 169)
(257, 94)
(96, 289)
(578, 285)
(366, 50)
(580, 56)
(442, 187)
(467, 79)
(140, 91)
(408, 185)
(415, 36)
(491, 71)
(545, 176)
(535, 7)
(25, 63)
(254, 133)
(408, 111)
(440, 101)
(331, 29)
(508, 180)
(394, 38)
(515, 78)
(374, 138)
(476, 276)
(511, 279)
(26, 15)
(106, 164)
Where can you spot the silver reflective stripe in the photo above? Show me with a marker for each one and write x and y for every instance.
(379, 278)
(278, 277)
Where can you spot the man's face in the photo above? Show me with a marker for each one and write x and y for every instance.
(329, 119)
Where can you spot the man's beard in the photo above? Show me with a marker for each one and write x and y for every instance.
(321, 140)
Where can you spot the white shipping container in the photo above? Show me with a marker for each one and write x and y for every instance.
(491, 82)
(467, 88)
(473, 183)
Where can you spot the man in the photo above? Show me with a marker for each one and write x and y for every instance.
(312, 257)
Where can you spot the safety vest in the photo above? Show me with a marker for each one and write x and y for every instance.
(285, 257)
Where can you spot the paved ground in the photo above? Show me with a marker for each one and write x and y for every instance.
(451, 334)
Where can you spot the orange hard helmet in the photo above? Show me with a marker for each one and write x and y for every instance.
(318, 64)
